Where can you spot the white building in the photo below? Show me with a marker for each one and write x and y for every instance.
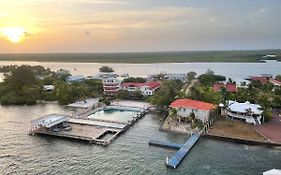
(146, 89)
(111, 86)
(75, 78)
(48, 87)
(250, 113)
(105, 75)
(201, 109)
(173, 76)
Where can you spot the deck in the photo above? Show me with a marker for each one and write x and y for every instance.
(182, 152)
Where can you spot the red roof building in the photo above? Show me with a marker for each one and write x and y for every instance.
(147, 88)
(185, 107)
(192, 104)
(262, 80)
(230, 87)
(217, 86)
(275, 82)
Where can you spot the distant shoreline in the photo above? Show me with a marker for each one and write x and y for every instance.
(243, 56)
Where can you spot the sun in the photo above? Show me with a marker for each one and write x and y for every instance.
(14, 34)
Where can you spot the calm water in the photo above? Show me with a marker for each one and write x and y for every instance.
(128, 154)
(236, 71)
(114, 115)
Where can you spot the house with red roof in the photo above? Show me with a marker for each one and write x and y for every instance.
(185, 107)
(146, 89)
(230, 87)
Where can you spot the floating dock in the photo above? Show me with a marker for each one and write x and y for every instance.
(182, 152)
(165, 144)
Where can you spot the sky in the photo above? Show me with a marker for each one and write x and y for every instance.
(138, 25)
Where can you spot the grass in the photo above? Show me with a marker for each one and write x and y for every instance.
(149, 57)
(235, 129)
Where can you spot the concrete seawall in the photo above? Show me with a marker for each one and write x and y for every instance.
(241, 141)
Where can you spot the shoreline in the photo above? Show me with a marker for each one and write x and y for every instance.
(132, 61)
(241, 141)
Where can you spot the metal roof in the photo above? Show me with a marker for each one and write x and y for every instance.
(50, 120)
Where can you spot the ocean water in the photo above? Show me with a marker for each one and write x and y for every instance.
(236, 71)
(128, 154)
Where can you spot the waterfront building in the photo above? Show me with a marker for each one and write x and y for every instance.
(111, 86)
(146, 89)
(174, 76)
(75, 78)
(105, 75)
(200, 109)
(247, 112)
(230, 87)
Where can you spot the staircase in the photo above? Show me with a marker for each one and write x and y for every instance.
(257, 122)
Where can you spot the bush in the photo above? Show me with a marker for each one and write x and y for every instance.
(106, 69)
(267, 113)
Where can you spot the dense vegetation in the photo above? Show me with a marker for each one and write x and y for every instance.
(153, 57)
(135, 80)
(24, 85)
(106, 69)
(169, 91)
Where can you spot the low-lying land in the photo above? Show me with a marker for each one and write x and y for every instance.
(235, 129)
(147, 57)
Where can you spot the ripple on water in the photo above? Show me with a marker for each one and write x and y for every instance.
(128, 154)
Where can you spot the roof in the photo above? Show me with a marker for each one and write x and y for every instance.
(194, 104)
(48, 87)
(218, 86)
(272, 172)
(263, 80)
(151, 84)
(244, 107)
(76, 78)
(275, 82)
(230, 87)
(50, 120)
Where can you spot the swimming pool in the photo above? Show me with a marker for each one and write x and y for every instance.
(112, 114)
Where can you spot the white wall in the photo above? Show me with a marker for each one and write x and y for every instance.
(202, 115)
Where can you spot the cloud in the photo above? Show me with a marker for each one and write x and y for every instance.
(262, 10)
(87, 33)
(101, 2)
(162, 16)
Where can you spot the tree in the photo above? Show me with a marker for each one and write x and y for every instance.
(191, 75)
(210, 72)
(135, 80)
(167, 93)
(21, 76)
(122, 94)
(278, 77)
(106, 69)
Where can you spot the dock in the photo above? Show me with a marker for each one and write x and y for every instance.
(80, 127)
(165, 144)
(182, 152)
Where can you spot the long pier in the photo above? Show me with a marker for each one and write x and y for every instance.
(182, 152)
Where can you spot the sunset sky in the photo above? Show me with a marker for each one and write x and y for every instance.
(138, 25)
